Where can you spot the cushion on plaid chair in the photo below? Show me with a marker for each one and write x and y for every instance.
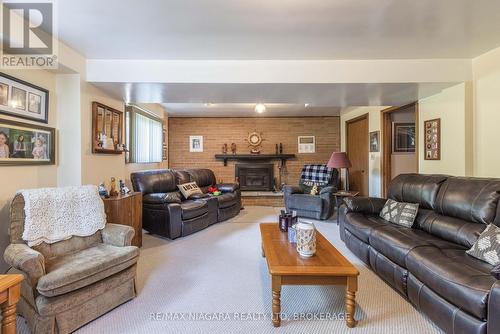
(315, 175)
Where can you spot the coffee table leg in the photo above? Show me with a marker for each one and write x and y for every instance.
(350, 301)
(276, 284)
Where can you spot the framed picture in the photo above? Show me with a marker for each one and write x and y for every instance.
(403, 137)
(21, 99)
(107, 125)
(307, 144)
(432, 139)
(26, 144)
(375, 141)
(195, 143)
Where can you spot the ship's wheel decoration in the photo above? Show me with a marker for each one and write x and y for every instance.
(255, 140)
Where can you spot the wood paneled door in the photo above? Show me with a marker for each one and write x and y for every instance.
(357, 141)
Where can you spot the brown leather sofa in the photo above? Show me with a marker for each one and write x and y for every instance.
(167, 213)
(427, 263)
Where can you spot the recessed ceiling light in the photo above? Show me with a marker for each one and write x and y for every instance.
(208, 104)
(306, 105)
(260, 108)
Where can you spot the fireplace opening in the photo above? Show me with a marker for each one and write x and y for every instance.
(258, 177)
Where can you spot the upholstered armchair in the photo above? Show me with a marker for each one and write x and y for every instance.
(299, 199)
(71, 282)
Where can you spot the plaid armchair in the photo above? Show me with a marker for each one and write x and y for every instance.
(321, 206)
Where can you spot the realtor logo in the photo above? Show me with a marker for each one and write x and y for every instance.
(28, 35)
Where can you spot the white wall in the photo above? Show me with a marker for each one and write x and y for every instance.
(486, 74)
(375, 180)
(454, 107)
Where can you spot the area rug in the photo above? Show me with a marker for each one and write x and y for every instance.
(215, 281)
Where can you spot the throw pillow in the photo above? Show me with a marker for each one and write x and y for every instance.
(189, 189)
(399, 213)
(487, 246)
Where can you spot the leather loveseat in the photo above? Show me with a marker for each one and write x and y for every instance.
(167, 213)
(428, 264)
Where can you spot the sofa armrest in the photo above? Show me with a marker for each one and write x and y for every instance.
(174, 220)
(494, 308)
(370, 205)
(27, 260)
(495, 272)
(227, 187)
(328, 190)
(288, 190)
(117, 235)
(162, 198)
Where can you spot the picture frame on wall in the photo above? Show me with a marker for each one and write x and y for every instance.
(432, 139)
(22, 99)
(195, 143)
(375, 141)
(23, 144)
(403, 138)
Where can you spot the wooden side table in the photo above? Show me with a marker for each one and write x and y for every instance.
(10, 292)
(126, 210)
(339, 197)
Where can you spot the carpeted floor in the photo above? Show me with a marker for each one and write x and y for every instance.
(219, 279)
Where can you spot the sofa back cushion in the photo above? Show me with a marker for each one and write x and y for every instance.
(203, 177)
(154, 181)
(451, 229)
(49, 251)
(416, 188)
(470, 199)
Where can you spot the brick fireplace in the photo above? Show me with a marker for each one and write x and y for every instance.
(255, 176)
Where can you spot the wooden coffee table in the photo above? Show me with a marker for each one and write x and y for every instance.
(326, 267)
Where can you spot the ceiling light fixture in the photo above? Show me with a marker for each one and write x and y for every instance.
(306, 105)
(260, 108)
(208, 104)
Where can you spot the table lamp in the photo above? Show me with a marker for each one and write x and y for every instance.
(340, 160)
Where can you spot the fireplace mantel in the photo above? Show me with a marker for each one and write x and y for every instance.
(254, 157)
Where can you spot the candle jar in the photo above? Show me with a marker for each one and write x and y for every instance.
(283, 222)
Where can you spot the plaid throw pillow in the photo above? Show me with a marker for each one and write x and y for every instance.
(487, 246)
(399, 213)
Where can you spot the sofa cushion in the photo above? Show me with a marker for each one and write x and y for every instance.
(203, 177)
(416, 188)
(305, 202)
(227, 199)
(451, 229)
(396, 242)
(399, 213)
(189, 189)
(161, 198)
(191, 209)
(363, 225)
(487, 246)
(454, 275)
(470, 199)
(76, 270)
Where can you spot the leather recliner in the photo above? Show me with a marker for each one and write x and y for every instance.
(428, 263)
(167, 213)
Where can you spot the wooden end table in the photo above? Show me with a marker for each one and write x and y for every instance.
(339, 197)
(10, 292)
(326, 267)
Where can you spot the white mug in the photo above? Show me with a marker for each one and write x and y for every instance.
(306, 239)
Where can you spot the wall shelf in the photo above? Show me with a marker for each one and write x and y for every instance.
(254, 157)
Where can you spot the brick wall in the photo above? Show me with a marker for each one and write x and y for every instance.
(217, 131)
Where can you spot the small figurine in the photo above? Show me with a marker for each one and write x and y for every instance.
(233, 148)
(314, 190)
(123, 188)
(113, 192)
(103, 191)
(277, 151)
(281, 148)
(224, 148)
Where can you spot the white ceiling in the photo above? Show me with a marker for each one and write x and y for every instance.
(286, 29)
(246, 110)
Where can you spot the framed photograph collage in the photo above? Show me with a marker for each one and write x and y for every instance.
(23, 143)
(432, 139)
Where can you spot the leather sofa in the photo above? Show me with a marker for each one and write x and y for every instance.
(167, 213)
(428, 264)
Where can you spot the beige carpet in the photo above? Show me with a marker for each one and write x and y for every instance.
(219, 278)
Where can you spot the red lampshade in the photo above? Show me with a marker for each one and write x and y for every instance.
(339, 160)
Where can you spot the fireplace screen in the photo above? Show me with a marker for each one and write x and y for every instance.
(256, 176)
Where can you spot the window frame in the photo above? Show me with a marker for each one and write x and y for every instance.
(130, 129)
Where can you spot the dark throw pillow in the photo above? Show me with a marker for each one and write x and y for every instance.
(487, 246)
(399, 213)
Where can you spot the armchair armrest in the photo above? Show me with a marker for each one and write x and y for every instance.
(288, 190)
(370, 205)
(328, 190)
(27, 260)
(117, 235)
(227, 187)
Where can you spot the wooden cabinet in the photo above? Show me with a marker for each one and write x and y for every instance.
(126, 210)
